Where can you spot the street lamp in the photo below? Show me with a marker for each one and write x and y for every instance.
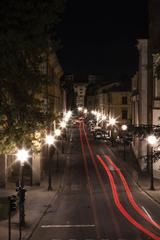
(85, 111)
(49, 141)
(22, 155)
(124, 129)
(57, 133)
(80, 109)
(151, 139)
(63, 124)
(67, 116)
(112, 122)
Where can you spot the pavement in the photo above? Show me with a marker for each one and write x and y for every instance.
(39, 199)
(141, 178)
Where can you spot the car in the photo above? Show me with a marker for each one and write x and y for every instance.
(105, 134)
(98, 135)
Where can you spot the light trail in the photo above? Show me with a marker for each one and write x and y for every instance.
(119, 205)
(114, 221)
(116, 197)
(129, 194)
(90, 185)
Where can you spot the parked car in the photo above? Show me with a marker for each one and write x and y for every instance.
(98, 134)
(105, 134)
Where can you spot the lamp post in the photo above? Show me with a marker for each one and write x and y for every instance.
(57, 133)
(112, 122)
(151, 139)
(124, 129)
(49, 141)
(22, 156)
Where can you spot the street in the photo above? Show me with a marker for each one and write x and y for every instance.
(97, 199)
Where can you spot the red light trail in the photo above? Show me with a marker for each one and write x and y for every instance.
(119, 205)
(129, 194)
(116, 197)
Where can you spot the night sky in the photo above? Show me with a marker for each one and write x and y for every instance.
(99, 37)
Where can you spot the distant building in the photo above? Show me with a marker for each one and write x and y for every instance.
(115, 100)
(80, 90)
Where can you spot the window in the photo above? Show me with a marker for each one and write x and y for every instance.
(124, 114)
(124, 100)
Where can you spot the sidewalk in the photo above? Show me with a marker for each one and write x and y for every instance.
(142, 179)
(38, 200)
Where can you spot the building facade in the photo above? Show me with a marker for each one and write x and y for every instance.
(112, 99)
(140, 101)
(80, 91)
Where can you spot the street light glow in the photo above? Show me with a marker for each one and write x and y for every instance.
(152, 139)
(50, 139)
(104, 117)
(85, 110)
(79, 109)
(69, 113)
(124, 127)
(22, 155)
(112, 121)
(57, 132)
(63, 124)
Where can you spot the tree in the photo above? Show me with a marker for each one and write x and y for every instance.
(27, 37)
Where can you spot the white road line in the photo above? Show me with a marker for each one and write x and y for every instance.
(147, 213)
(68, 226)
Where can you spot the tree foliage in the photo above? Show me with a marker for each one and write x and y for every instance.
(27, 37)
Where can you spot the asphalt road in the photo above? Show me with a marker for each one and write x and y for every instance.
(97, 199)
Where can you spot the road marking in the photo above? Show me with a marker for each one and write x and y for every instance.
(68, 226)
(147, 213)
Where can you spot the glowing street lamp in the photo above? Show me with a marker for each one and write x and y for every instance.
(63, 124)
(80, 109)
(22, 155)
(152, 140)
(49, 141)
(67, 116)
(124, 129)
(104, 117)
(85, 111)
(57, 132)
(112, 121)
(69, 113)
